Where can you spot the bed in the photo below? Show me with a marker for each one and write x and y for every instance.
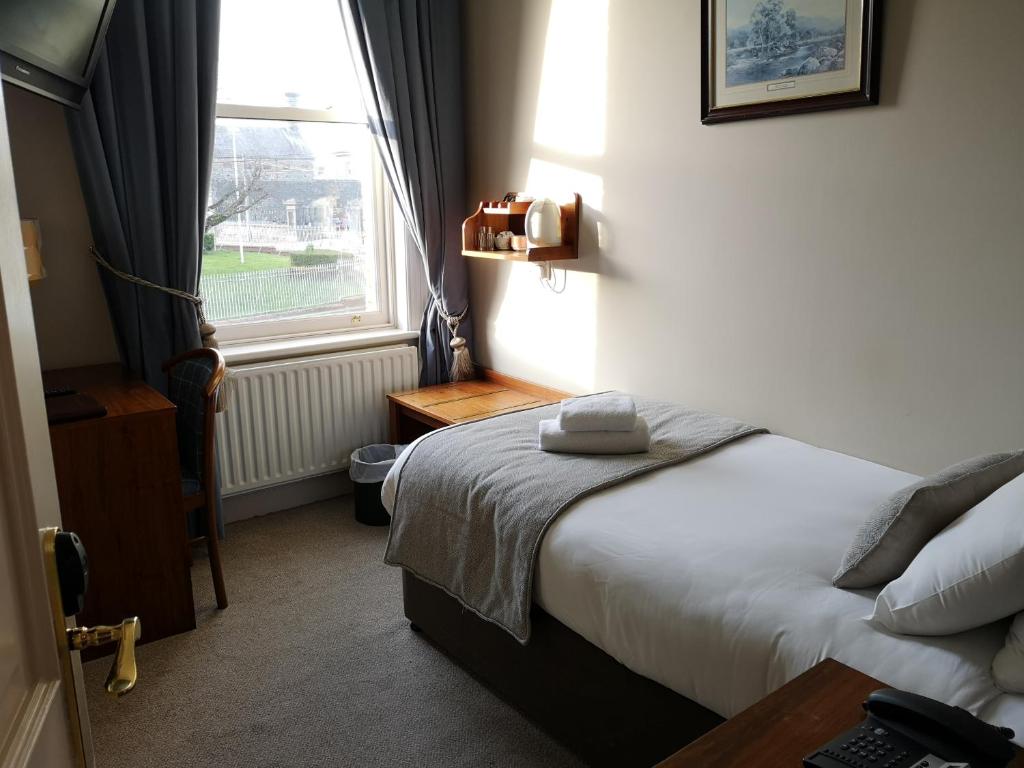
(710, 579)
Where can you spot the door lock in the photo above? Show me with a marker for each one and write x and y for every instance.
(69, 581)
(123, 672)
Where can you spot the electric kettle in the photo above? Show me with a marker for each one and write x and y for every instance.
(544, 223)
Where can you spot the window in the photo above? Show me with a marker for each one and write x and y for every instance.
(299, 226)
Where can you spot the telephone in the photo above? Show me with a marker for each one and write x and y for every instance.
(904, 730)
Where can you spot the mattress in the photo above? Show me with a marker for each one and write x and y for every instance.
(713, 577)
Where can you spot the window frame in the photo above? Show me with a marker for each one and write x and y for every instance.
(382, 201)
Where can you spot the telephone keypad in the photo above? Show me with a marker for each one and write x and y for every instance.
(868, 748)
(932, 729)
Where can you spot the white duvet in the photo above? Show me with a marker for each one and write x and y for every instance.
(713, 577)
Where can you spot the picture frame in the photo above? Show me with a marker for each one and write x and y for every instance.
(767, 58)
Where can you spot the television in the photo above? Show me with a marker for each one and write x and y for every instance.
(50, 47)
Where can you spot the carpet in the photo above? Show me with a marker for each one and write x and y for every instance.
(312, 664)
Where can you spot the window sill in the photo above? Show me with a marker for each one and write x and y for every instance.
(237, 353)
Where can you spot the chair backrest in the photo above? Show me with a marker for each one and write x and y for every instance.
(193, 379)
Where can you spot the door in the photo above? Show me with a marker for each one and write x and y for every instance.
(43, 723)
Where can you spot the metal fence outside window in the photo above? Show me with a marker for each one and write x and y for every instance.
(245, 295)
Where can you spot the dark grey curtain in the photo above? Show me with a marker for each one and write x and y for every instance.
(408, 56)
(143, 143)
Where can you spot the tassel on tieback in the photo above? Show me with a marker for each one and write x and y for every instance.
(208, 335)
(463, 368)
(462, 363)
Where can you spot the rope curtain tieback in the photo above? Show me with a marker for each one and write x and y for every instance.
(462, 363)
(207, 330)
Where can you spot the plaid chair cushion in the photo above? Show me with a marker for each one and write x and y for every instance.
(188, 380)
(190, 486)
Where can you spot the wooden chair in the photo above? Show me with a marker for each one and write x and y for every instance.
(193, 379)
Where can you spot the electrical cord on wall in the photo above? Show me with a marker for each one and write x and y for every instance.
(549, 279)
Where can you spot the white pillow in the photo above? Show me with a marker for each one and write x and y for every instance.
(970, 574)
(1008, 666)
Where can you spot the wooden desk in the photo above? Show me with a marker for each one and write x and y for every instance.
(119, 484)
(785, 726)
(419, 411)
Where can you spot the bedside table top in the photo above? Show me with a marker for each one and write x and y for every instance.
(492, 394)
(786, 725)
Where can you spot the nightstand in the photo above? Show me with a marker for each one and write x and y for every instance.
(783, 727)
(419, 411)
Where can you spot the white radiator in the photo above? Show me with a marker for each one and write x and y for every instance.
(302, 417)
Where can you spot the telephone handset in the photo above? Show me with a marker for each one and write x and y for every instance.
(904, 730)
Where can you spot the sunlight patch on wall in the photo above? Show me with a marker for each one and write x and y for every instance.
(573, 95)
(556, 181)
(552, 337)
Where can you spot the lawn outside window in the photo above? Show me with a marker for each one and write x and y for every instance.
(299, 227)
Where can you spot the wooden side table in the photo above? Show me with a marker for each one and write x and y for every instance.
(785, 726)
(419, 411)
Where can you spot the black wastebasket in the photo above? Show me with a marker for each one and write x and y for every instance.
(368, 468)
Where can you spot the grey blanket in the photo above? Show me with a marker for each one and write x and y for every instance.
(473, 501)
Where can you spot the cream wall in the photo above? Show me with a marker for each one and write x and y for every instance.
(72, 324)
(854, 279)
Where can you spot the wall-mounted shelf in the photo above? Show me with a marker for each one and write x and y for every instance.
(512, 217)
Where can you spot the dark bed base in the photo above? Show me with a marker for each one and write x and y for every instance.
(576, 692)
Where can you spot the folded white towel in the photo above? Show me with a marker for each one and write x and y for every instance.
(598, 413)
(556, 440)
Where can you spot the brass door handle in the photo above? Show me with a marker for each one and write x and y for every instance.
(123, 672)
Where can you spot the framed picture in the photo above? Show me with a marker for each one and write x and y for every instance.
(763, 58)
